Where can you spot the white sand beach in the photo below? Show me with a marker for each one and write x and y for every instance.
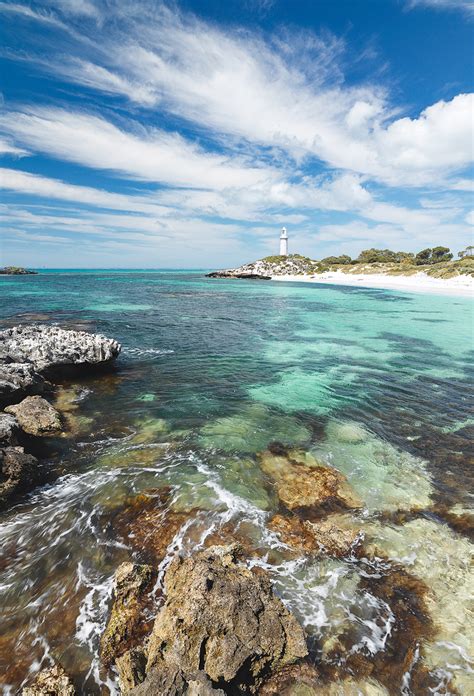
(461, 286)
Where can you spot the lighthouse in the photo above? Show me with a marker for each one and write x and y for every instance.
(283, 242)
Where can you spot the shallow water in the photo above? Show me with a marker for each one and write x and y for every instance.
(376, 383)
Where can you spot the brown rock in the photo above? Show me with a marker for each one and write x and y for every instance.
(18, 471)
(147, 525)
(50, 682)
(36, 416)
(167, 679)
(304, 484)
(293, 680)
(222, 618)
(131, 669)
(127, 625)
(314, 538)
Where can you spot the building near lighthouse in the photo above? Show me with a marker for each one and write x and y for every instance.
(283, 242)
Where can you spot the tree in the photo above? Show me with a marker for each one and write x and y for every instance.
(465, 253)
(439, 254)
(342, 260)
(383, 256)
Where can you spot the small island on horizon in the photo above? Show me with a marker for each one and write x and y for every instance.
(16, 270)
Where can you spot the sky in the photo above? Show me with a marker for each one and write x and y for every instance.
(142, 134)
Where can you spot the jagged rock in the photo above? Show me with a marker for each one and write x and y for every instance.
(19, 378)
(8, 428)
(50, 682)
(36, 416)
(303, 483)
(18, 471)
(292, 680)
(126, 626)
(47, 346)
(324, 536)
(131, 668)
(167, 679)
(223, 618)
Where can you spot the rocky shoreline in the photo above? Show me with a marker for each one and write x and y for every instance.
(31, 360)
(206, 619)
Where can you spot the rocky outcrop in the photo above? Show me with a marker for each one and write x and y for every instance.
(50, 682)
(18, 472)
(36, 416)
(47, 346)
(18, 378)
(265, 269)
(16, 270)
(236, 274)
(223, 619)
(304, 484)
(324, 537)
(126, 626)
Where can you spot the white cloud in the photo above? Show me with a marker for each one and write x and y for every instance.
(464, 5)
(7, 148)
(153, 155)
(287, 94)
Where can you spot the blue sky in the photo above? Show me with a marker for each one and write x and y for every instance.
(149, 134)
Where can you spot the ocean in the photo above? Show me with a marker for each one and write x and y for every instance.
(375, 383)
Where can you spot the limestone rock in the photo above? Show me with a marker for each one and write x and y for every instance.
(50, 682)
(18, 471)
(167, 679)
(292, 680)
(222, 618)
(47, 346)
(18, 378)
(8, 428)
(131, 669)
(325, 536)
(36, 416)
(302, 483)
(126, 626)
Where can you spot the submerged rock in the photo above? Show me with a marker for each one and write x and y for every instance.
(223, 619)
(324, 537)
(18, 472)
(127, 625)
(36, 416)
(50, 682)
(292, 680)
(304, 484)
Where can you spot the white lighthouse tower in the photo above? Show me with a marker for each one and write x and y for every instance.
(283, 242)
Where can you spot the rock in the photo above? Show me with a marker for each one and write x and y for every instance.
(16, 270)
(19, 378)
(8, 428)
(50, 682)
(46, 346)
(167, 679)
(131, 669)
(302, 483)
(36, 416)
(234, 274)
(293, 680)
(126, 626)
(314, 538)
(18, 471)
(223, 618)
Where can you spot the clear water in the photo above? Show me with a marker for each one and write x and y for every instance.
(376, 383)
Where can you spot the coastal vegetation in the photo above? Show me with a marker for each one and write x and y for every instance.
(436, 262)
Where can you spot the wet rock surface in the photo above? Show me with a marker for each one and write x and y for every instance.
(221, 620)
(304, 484)
(36, 416)
(18, 472)
(330, 536)
(50, 682)
(18, 378)
(127, 626)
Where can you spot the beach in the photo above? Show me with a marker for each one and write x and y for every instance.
(459, 286)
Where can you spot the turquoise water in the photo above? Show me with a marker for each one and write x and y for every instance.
(376, 383)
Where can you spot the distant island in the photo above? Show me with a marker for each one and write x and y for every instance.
(16, 270)
(373, 267)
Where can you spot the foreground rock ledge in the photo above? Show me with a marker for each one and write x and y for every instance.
(221, 628)
(50, 682)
